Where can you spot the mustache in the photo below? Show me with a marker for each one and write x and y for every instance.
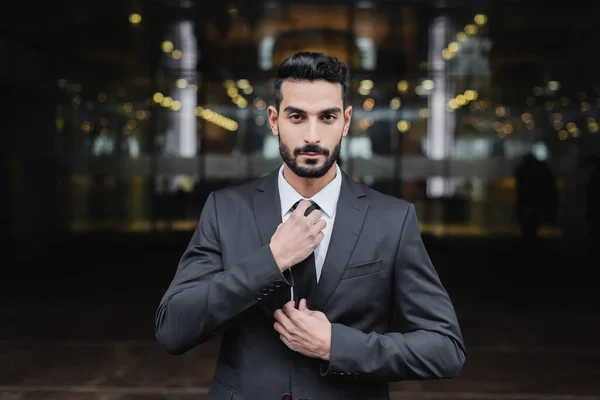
(311, 148)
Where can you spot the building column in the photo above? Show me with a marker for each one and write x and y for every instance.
(180, 72)
(440, 134)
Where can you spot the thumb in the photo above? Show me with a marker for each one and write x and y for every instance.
(302, 305)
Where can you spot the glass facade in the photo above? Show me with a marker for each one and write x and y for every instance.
(446, 103)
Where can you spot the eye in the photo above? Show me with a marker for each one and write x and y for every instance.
(329, 117)
(296, 117)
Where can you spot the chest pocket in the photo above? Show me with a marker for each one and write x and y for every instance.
(362, 269)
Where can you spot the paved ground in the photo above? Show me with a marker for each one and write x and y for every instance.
(83, 328)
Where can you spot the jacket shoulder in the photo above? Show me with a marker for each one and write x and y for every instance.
(380, 200)
(240, 191)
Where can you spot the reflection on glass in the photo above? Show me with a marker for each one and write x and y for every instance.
(180, 55)
(440, 140)
(423, 87)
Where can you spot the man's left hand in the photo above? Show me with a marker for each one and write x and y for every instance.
(304, 331)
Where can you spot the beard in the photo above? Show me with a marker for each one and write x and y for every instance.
(313, 169)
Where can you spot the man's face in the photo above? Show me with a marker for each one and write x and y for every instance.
(310, 124)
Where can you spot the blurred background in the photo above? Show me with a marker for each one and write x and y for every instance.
(119, 118)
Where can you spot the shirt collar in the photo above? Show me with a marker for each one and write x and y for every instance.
(326, 198)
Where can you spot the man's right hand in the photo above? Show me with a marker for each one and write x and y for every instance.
(297, 237)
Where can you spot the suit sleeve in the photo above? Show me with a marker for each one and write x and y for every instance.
(204, 296)
(430, 344)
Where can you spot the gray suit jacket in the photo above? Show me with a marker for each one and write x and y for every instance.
(376, 268)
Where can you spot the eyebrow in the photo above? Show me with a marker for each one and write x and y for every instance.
(331, 110)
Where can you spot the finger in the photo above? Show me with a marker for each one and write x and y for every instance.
(295, 316)
(302, 306)
(283, 335)
(313, 208)
(284, 320)
(289, 308)
(279, 315)
(317, 237)
(318, 226)
(287, 342)
(314, 216)
(290, 303)
(301, 208)
(280, 329)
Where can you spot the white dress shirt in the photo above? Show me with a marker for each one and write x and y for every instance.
(327, 199)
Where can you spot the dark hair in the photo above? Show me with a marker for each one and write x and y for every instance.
(311, 66)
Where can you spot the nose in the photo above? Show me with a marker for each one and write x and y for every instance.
(312, 135)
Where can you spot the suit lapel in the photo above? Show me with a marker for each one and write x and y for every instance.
(267, 206)
(267, 212)
(349, 218)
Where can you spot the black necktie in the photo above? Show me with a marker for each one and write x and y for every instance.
(305, 273)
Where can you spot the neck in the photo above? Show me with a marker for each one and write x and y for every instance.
(308, 187)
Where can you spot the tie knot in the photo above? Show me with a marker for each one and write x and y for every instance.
(313, 206)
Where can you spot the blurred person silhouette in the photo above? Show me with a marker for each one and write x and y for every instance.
(537, 196)
(302, 270)
(591, 167)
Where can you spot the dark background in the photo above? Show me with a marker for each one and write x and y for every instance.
(93, 221)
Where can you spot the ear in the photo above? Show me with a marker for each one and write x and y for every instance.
(347, 120)
(273, 117)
